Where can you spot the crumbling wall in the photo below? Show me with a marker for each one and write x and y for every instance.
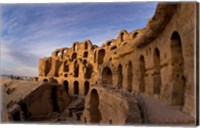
(159, 66)
(31, 100)
(108, 106)
(156, 61)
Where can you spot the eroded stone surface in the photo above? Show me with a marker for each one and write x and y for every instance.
(131, 79)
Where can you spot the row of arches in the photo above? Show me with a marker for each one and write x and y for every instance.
(107, 76)
(86, 44)
(177, 63)
(87, 69)
(76, 87)
(124, 35)
(74, 55)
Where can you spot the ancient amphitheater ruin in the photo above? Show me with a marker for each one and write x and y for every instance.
(146, 76)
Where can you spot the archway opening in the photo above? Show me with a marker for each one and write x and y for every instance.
(142, 74)
(76, 87)
(75, 47)
(86, 45)
(177, 70)
(95, 56)
(109, 43)
(120, 76)
(130, 76)
(45, 80)
(110, 122)
(122, 37)
(58, 53)
(76, 69)
(88, 71)
(101, 55)
(16, 116)
(54, 93)
(85, 55)
(157, 77)
(86, 87)
(74, 55)
(95, 115)
(66, 67)
(24, 108)
(136, 34)
(107, 76)
(66, 86)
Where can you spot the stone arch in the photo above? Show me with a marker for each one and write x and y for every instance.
(109, 43)
(157, 76)
(74, 56)
(76, 88)
(64, 50)
(86, 87)
(76, 69)
(135, 34)
(58, 53)
(107, 76)
(84, 62)
(122, 37)
(129, 76)
(113, 47)
(75, 47)
(120, 76)
(101, 55)
(45, 80)
(66, 86)
(95, 56)
(85, 54)
(177, 70)
(88, 71)
(66, 67)
(142, 74)
(94, 47)
(95, 115)
(86, 45)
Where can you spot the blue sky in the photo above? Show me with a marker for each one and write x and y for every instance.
(33, 31)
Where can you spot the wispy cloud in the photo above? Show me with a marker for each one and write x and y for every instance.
(32, 31)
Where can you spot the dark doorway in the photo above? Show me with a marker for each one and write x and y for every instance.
(86, 86)
(178, 69)
(74, 55)
(66, 86)
(101, 55)
(16, 116)
(107, 76)
(142, 74)
(130, 76)
(76, 88)
(85, 55)
(157, 77)
(45, 80)
(120, 76)
(76, 69)
(94, 107)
